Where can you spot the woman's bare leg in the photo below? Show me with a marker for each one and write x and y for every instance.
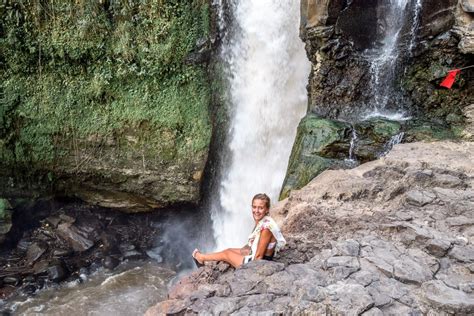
(230, 255)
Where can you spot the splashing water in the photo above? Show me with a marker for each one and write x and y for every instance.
(268, 73)
(396, 139)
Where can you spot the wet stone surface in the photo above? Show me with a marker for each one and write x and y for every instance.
(70, 241)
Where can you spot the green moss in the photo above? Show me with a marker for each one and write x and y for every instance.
(4, 209)
(318, 142)
(73, 70)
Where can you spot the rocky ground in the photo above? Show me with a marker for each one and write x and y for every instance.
(67, 242)
(390, 237)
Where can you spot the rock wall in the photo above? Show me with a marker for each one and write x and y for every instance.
(106, 101)
(340, 37)
(390, 237)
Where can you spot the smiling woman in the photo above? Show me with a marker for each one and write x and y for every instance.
(264, 242)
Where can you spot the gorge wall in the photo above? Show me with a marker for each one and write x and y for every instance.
(375, 80)
(105, 101)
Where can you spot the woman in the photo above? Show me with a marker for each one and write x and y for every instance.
(265, 240)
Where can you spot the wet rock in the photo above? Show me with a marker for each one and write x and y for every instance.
(57, 272)
(35, 251)
(59, 253)
(11, 280)
(53, 221)
(29, 279)
(29, 289)
(319, 142)
(67, 219)
(110, 262)
(74, 237)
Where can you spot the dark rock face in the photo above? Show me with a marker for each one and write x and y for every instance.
(344, 40)
(357, 23)
(337, 35)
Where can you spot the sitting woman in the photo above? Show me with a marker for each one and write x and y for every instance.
(265, 240)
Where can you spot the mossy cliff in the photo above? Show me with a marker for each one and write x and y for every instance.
(105, 100)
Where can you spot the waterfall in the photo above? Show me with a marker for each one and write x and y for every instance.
(385, 60)
(414, 25)
(394, 140)
(268, 72)
(352, 145)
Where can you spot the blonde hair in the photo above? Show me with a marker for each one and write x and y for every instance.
(263, 197)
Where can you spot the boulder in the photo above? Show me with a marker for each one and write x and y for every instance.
(319, 144)
(448, 299)
(76, 238)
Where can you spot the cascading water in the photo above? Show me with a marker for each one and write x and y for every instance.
(414, 25)
(267, 78)
(385, 60)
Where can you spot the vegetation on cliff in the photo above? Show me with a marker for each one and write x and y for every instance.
(77, 69)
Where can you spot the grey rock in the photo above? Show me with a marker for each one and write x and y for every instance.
(438, 247)
(397, 308)
(349, 247)
(374, 311)
(460, 221)
(216, 305)
(409, 271)
(73, 236)
(420, 197)
(279, 283)
(303, 291)
(344, 261)
(349, 299)
(383, 266)
(53, 221)
(260, 304)
(57, 272)
(447, 180)
(110, 262)
(463, 253)
(364, 277)
(447, 299)
(386, 291)
(11, 280)
(468, 6)
(35, 251)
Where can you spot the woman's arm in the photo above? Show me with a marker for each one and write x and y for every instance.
(265, 237)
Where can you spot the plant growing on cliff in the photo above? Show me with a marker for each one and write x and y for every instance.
(72, 70)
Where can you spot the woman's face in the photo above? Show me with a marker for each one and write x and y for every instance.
(259, 209)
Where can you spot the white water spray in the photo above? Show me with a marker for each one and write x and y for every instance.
(268, 74)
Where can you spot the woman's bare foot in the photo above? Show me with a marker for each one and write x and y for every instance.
(197, 258)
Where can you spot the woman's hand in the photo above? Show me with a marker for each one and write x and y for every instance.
(245, 250)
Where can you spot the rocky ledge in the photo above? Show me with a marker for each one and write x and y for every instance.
(391, 237)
